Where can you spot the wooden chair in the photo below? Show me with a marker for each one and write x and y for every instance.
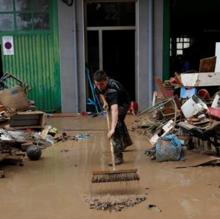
(207, 64)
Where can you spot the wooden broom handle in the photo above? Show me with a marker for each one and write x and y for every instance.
(110, 141)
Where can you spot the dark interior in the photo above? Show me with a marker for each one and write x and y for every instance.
(117, 44)
(199, 21)
(119, 56)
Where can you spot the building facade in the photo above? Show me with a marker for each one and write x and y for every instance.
(54, 42)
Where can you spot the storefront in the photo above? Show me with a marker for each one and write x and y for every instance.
(55, 41)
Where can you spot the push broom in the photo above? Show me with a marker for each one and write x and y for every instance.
(114, 175)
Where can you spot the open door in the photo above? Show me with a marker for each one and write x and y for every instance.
(110, 28)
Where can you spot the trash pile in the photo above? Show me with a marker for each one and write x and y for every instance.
(183, 114)
(23, 129)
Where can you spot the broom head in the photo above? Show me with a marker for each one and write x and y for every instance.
(115, 176)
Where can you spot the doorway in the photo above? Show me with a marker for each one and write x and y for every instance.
(110, 40)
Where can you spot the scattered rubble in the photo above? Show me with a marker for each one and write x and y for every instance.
(79, 137)
(114, 203)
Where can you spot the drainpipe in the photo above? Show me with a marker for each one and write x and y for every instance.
(75, 59)
(150, 51)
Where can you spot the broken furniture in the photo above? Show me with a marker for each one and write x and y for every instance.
(24, 120)
(201, 137)
(15, 144)
(206, 79)
(8, 78)
(10, 150)
(167, 90)
(154, 119)
(207, 84)
(207, 64)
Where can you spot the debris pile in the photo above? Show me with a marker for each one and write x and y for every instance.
(156, 120)
(182, 107)
(23, 129)
(114, 203)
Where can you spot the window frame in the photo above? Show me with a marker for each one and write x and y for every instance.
(31, 12)
(184, 42)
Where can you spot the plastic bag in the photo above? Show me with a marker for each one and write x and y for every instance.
(169, 148)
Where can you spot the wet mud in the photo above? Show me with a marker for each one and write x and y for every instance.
(57, 186)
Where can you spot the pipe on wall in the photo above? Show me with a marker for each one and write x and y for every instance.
(76, 58)
(150, 48)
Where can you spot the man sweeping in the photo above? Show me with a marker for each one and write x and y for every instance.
(116, 98)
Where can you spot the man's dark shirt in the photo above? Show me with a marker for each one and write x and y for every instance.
(115, 93)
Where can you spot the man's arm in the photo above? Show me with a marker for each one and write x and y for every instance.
(114, 113)
(103, 100)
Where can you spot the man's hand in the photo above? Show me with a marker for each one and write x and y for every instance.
(110, 133)
(104, 102)
(105, 106)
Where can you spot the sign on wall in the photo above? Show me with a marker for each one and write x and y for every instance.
(8, 45)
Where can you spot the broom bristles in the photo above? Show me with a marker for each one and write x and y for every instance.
(115, 176)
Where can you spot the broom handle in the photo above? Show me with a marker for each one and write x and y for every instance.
(112, 148)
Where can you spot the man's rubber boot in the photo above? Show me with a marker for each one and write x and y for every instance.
(118, 161)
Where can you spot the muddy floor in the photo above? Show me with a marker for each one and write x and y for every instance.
(57, 186)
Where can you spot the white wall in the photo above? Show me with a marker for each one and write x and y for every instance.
(149, 53)
(68, 58)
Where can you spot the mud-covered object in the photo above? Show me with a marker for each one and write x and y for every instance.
(33, 152)
(169, 148)
(14, 98)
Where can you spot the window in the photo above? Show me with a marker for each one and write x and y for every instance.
(179, 44)
(110, 14)
(24, 15)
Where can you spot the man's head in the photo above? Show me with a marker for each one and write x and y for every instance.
(101, 80)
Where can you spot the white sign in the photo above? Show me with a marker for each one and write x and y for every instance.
(8, 45)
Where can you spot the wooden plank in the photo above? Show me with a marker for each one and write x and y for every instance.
(199, 160)
(30, 113)
(202, 79)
